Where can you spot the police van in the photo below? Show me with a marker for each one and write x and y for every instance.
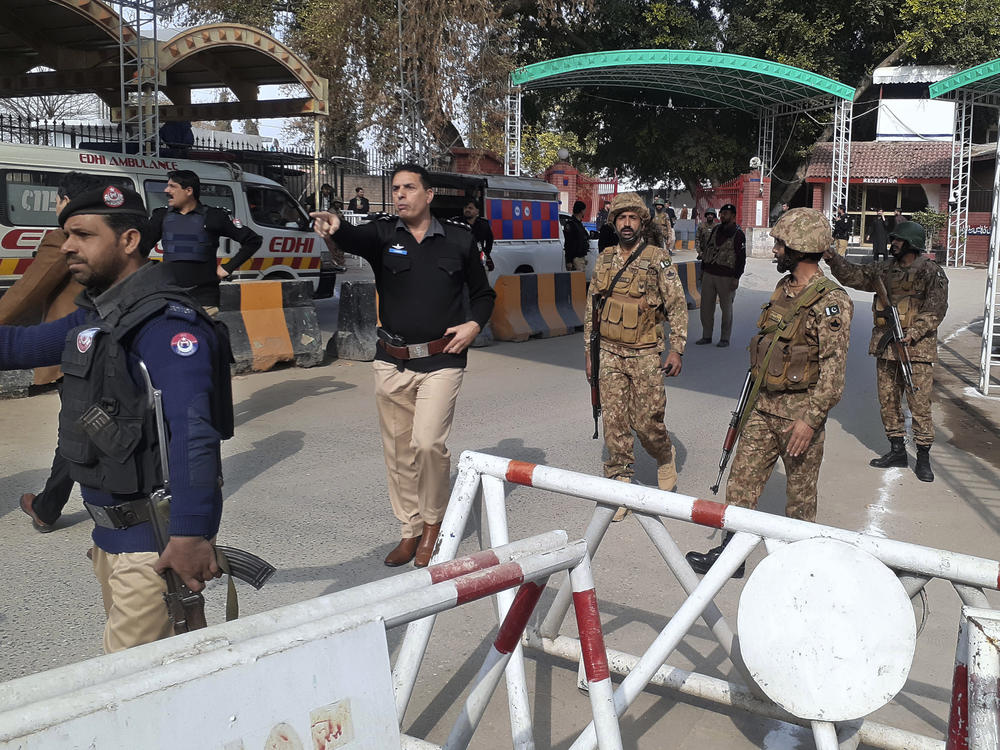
(29, 176)
(523, 213)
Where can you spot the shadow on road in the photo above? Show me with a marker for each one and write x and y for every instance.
(286, 393)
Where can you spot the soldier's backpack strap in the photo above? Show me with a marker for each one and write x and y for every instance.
(809, 296)
(635, 254)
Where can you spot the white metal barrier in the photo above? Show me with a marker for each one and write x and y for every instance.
(914, 565)
(318, 669)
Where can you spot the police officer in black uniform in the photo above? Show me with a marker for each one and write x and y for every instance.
(482, 232)
(190, 231)
(129, 318)
(422, 267)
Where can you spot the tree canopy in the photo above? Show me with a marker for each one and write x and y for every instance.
(456, 55)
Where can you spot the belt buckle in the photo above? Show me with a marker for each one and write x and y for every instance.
(418, 350)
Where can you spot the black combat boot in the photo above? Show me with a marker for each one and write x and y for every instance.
(895, 457)
(923, 466)
(702, 562)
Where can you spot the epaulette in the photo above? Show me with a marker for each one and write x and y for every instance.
(381, 216)
(456, 223)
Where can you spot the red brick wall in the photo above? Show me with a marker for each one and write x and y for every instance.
(977, 248)
(475, 161)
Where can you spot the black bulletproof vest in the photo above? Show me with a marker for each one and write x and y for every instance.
(185, 237)
(107, 430)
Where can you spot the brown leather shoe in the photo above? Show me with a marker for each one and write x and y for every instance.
(27, 499)
(403, 553)
(426, 548)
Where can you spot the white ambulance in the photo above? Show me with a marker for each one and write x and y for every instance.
(29, 176)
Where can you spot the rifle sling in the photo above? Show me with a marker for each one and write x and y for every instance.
(808, 296)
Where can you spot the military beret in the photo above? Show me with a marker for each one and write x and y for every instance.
(104, 200)
(728, 207)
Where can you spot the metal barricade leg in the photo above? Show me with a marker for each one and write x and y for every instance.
(496, 661)
(411, 652)
(825, 734)
(958, 715)
(735, 554)
(595, 657)
(984, 680)
(596, 529)
(522, 732)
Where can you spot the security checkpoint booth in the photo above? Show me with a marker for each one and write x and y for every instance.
(975, 87)
(825, 635)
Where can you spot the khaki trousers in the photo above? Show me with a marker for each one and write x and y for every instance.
(133, 599)
(716, 287)
(415, 412)
(841, 247)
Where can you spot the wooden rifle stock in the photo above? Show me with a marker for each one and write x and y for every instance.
(733, 433)
(596, 303)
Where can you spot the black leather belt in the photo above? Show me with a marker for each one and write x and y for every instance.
(399, 349)
(120, 516)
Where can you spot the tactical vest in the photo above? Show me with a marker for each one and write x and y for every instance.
(185, 237)
(628, 315)
(793, 365)
(906, 287)
(107, 430)
(720, 255)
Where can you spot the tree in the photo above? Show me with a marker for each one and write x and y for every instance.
(49, 107)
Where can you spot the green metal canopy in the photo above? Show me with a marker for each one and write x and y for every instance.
(746, 83)
(982, 79)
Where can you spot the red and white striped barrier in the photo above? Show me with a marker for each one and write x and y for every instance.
(915, 565)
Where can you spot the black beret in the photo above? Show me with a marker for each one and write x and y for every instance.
(104, 200)
(728, 207)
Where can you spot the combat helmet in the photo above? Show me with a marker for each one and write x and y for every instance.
(911, 232)
(804, 230)
(627, 202)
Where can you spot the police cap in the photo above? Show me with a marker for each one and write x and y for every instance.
(104, 200)
(728, 207)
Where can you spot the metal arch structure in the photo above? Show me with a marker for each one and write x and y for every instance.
(762, 88)
(975, 87)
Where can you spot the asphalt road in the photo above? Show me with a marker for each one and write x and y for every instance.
(305, 488)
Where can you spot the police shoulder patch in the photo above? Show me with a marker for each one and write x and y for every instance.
(184, 344)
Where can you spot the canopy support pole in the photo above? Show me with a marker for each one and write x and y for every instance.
(841, 169)
(961, 166)
(512, 167)
(990, 355)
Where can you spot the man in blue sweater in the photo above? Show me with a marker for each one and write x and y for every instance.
(129, 317)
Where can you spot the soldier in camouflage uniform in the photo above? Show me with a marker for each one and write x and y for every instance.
(704, 231)
(919, 289)
(632, 340)
(662, 219)
(797, 360)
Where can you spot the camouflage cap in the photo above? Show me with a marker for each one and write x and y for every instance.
(804, 230)
(911, 232)
(627, 202)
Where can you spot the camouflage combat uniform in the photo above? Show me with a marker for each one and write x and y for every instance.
(632, 340)
(804, 380)
(663, 219)
(702, 234)
(920, 293)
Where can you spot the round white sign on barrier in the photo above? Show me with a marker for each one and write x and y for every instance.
(826, 630)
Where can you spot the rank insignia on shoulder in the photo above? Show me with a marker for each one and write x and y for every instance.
(832, 310)
(177, 310)
(184, 344)
(398, 250)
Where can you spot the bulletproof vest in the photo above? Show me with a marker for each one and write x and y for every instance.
(907, 287)
(794, 363)
(629, 313)
(723, 254)
(185, 237)
(107, 430)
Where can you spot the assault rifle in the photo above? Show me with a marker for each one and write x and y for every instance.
(596, 302)
(733, 433)
(186, 607)
(895, 335)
